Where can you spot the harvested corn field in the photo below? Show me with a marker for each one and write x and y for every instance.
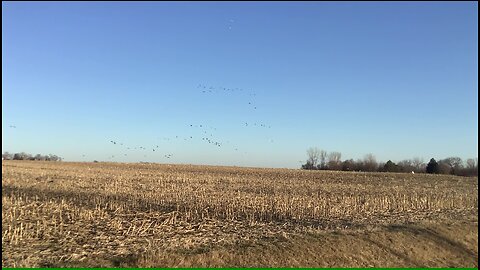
(142, 215)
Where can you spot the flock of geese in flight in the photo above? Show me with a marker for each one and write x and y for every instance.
(204, 133)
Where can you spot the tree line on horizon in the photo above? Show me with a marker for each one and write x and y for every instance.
(26, 156)
(318, 159)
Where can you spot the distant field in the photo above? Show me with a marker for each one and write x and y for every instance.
(141, 215)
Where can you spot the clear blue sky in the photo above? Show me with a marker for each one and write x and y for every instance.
(398, 80)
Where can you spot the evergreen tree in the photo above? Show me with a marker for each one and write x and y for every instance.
(390, 167)
(432, 166)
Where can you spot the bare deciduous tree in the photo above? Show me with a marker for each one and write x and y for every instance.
(454, 162)
(370, 163)
(471, 163)
(22, 156)
(444, 168)
(313, 154)
(334, 161)
(406, 165)
(7, 156)
(323, 159)
(450, 165)
(418, 164)
(39, 157)
(470, 169)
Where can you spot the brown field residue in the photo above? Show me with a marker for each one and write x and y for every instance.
(142, 215)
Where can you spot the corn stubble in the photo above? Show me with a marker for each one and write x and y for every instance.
(110, 214)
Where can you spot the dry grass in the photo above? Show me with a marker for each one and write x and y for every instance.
(106, 214)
